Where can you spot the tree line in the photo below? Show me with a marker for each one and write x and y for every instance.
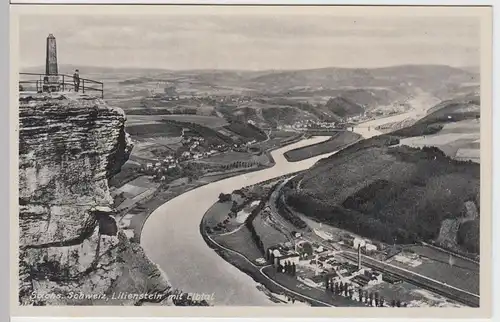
(288, 215)
(250, 219)
(249, 224)
(348, 290)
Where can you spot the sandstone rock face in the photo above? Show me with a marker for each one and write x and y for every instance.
(69, 242)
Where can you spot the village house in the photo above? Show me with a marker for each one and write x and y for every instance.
(356, 242)
(319, 249)
(369, 248)
(292, 258)
(367, 277)
(283, 255)
(169, 160)
(347, 269)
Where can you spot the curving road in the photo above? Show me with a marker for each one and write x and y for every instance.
(171, 237)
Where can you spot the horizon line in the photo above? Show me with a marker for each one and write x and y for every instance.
(250, 70)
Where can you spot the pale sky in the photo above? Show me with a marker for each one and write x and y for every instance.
(252, 41)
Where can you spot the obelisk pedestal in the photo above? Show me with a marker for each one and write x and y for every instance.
(51, 81)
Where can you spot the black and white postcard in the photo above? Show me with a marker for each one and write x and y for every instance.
(251, 160)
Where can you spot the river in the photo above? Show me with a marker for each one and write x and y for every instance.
(171, 236)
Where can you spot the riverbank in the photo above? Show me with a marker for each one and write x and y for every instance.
(337, 142)
(133, 219)
(196, 268)
(277, 283)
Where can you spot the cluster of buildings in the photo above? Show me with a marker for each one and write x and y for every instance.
(234, 99)
(313, 124)
(196, 152)
(343, 271)
(171, 98)
(326, 263)
(366, 277)
(365, 245)
(251, 142)
(169, 163)
(196, 155)
(163, 89)
(221, 99)
(300, 250)
(281, 254)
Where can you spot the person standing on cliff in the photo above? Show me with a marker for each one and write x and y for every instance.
(76, 80)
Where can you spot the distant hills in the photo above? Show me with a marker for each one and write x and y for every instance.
(386, 81)
(284, 96)
(326, 77)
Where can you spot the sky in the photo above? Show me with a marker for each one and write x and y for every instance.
(250, 41)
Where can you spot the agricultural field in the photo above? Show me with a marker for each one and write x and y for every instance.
(128, 172)
(338, 141)
(459, 140)
(267, 233)
(278, 139)
(147, 130)
(246, 131)
(151, 149)
(144, 119)
(134, 192)
(410, 294)
(217, 213)
(229, 214)
(212, 122)
(240, 241)
(457, 274)
(440, 256)
(282, 134)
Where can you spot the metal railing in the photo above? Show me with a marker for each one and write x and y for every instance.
(57, 83)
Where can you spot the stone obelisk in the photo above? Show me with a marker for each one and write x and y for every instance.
(51, 79)
(51, 57)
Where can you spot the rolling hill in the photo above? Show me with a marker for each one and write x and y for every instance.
(395, 193)
(343, 107)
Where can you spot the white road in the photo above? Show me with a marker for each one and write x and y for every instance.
(171, 236)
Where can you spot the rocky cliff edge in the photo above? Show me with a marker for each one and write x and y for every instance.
(71, 251)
